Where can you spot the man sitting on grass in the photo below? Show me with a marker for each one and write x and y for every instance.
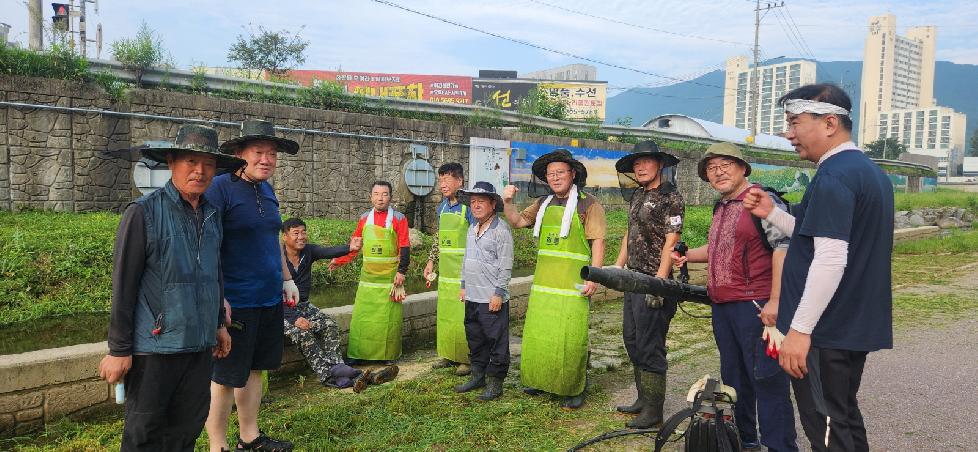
(312, 330)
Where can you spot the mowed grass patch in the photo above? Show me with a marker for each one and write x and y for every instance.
(957, 242)
(421, 414)
(936, 260)
(917, 269)
(916, 310)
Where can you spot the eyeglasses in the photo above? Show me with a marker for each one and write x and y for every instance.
(725, 167)
(557, 174)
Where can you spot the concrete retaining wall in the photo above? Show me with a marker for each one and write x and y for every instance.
(39, 387)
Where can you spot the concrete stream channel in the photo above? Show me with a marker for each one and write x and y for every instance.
(48, 368)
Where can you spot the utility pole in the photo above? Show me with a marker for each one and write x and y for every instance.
(81, 28)
(35, 26)
(755, 73)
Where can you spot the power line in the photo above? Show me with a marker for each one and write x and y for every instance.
(643, 27)
(798, 32)
(791, 35)
(544, 48)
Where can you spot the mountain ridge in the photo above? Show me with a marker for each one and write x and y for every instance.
(954, 86)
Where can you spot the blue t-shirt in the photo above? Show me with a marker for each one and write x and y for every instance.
(444, 207)
(250, 254)
(850, 198)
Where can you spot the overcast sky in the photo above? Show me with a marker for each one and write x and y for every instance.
(364, 35)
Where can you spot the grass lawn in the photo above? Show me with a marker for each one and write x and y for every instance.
(57, 264)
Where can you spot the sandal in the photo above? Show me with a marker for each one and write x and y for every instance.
(263, 443)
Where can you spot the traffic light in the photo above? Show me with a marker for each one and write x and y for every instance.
(60, 18)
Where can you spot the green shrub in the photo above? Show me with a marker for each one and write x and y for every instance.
(140, 53)
(60, 62)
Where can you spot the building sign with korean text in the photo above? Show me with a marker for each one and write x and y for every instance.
(583, 100)
(504, 95)
(431, 88)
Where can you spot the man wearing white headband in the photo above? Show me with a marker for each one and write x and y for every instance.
(836, 296)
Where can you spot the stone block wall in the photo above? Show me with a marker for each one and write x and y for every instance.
(80, 161)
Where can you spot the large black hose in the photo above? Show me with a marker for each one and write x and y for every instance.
(630, 281)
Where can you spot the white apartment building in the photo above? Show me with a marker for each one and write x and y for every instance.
(898, 73)
(776, 81)
(570, 72)
(935, 131)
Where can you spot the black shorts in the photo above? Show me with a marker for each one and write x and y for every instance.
(256, 345)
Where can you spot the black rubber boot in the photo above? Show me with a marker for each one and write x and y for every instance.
(573, 402)
(653, 391)
(476, 380)
(636, 406)
(494, 388)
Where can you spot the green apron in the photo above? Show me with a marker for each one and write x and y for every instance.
(555, 332)
(375, 327)
(452, 231)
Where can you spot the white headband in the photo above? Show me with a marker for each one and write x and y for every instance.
(799, 106)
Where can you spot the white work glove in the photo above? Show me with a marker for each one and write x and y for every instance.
(290, 293)
(398, 294)
(773, 337)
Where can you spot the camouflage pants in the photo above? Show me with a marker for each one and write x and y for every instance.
(320, 344)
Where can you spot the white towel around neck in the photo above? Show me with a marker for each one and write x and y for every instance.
(569, 210)
(390, 217)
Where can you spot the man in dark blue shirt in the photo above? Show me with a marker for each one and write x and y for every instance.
(836, 296)
(256, 282)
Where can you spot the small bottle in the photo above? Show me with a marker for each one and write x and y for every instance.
(120, 393)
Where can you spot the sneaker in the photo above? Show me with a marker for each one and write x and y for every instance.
(463, 370)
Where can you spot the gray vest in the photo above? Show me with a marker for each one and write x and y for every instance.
(181, 281)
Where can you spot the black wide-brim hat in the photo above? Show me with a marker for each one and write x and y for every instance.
(194, 138)
(485, 189)
(645, 149)
(559, 155)
(257, 129)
